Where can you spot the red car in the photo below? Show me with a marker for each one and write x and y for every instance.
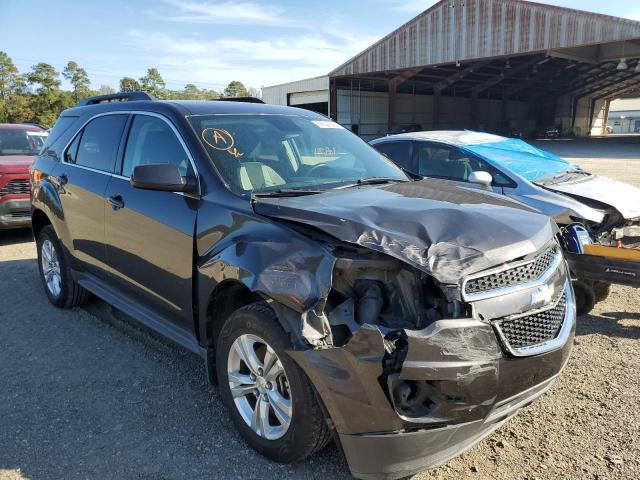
(19, 145)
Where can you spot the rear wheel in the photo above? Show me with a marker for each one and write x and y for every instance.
(59, 286)
(268, 396)
(585, 297)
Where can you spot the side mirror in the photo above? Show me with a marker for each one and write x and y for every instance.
(161, 176)
(481, 178)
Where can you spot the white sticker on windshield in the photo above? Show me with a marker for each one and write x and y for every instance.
(326, 124)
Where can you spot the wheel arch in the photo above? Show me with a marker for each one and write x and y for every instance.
(39, 220)
(226, 298)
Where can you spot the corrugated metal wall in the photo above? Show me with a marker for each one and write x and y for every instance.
(369, 110)
(472, 29)
(277, 94)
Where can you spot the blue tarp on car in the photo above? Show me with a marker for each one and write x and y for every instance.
(521, 158)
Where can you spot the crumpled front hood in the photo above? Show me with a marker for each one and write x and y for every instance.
(442, 228)
(16, 163)
(623, 197)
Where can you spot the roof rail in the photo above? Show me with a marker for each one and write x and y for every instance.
(240, 99)
(115, 97)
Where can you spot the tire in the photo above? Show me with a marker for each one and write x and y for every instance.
(601, 290)
(307, 431)
(61, 289)
(585, 297)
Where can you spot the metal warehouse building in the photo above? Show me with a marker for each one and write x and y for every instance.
(492, 65)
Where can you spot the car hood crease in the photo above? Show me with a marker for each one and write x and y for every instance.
(443, 229)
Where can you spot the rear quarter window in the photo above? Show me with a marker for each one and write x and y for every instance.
(399, 152)
(61, 126)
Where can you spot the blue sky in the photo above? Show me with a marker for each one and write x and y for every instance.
(209, 42)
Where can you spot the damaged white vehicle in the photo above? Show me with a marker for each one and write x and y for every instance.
(589, 209)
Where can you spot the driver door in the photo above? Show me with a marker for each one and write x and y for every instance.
(149, 234)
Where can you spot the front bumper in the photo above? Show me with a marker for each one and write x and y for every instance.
(15, 213)
(397, 455)
(472, 386)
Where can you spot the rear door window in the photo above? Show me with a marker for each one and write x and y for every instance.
(98, 143)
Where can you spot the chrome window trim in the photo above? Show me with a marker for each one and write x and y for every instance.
(472, 297)
(550, 345)
(131, 112)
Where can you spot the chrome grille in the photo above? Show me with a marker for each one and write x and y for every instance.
(534, 329)
(19, 214)
(16, 187)
(513, 276)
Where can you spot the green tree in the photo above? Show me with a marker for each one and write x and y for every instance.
(153, 83)
(8, 79)
(45, 78)
(191, 92)
(18, 107)
(236, 89)
(78, 78)
(128, 84)
(48, 101)
(105, 90)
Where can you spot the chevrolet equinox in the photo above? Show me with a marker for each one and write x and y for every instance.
(330, 294)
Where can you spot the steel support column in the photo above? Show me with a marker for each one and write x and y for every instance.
(592, 107)
(333, 100)
(605, 116)
(391, 122)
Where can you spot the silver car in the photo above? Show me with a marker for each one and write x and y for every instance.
(601, 210)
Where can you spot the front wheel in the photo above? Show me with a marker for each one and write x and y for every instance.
(585, 297)
(602, 291)
(268, 396)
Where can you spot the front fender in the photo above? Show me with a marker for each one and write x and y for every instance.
(45, 197)
(270, 259)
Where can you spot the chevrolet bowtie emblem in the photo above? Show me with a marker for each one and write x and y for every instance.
(541, 296)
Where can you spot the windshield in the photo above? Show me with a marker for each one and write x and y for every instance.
(21, 142)
(261, 153)
(523, 159)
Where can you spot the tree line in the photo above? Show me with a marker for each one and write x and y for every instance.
(37, 95)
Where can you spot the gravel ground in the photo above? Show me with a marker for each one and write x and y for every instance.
(89, 393)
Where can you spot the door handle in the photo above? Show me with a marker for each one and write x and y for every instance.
(116, 201)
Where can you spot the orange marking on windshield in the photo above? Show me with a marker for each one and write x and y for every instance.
(221, 139)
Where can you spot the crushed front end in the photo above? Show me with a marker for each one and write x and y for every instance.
(412, 372)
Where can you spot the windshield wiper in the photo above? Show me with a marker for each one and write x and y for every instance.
(374, 181)
(286, 192)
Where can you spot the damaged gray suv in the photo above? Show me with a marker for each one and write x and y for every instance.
(330, 295)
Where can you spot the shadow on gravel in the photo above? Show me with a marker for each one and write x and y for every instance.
(10, 237)
(86, 397)
(608, 323)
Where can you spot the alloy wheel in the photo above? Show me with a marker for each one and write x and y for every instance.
(259, 386)
(51, 268)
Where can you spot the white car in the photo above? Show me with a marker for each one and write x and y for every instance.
(609, 210)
